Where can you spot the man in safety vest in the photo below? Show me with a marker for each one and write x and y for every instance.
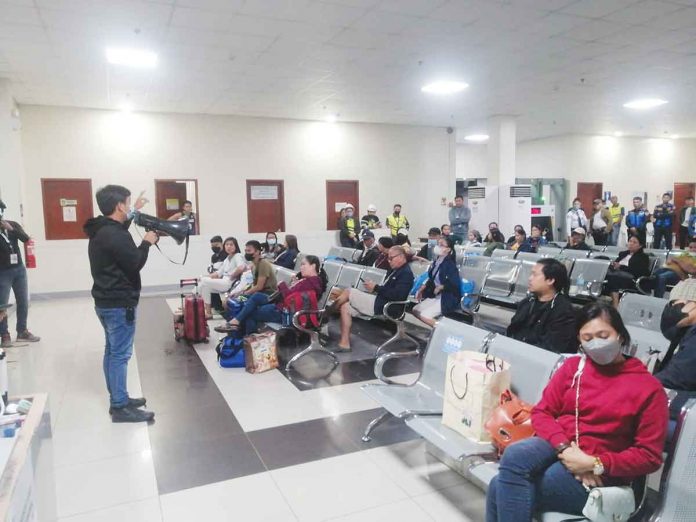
(617, 215)
(348, 227)
(396, 221)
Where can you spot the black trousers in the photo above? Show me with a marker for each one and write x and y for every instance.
(683, 237)
(663, 232)
(600, 236)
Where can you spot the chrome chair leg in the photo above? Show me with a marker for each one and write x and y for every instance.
(400, 335)
(373, 424)
(314, 346)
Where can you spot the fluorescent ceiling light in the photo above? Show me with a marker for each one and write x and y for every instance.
(675, 136)
(331, 118)
(131, 57)
(618, 134)
(126, 107)
(476, 138)
(642, 104)
(444, 87)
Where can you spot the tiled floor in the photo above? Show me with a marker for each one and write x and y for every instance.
(226, 445)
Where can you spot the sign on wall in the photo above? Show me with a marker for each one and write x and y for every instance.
(264, 192)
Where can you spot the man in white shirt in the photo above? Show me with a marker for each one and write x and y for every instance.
(685, 214)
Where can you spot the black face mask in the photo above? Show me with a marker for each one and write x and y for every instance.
(249, 257)
(397, 212)
(671, 315)
(216, 249)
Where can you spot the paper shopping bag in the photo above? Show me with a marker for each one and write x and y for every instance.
(473, 384)
(260, 352)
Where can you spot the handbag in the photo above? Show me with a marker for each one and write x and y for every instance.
(510, 422)
(605, 504)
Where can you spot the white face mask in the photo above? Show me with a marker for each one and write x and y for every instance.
(271, 242)
(602, 351)
(438, 251)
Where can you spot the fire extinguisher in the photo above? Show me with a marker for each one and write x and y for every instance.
(29, 255)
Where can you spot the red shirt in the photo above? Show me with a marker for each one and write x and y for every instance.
(623, 416)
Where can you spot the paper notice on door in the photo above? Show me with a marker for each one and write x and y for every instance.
(172, 204)
(70, 214)
(264, 192)
(340, 205)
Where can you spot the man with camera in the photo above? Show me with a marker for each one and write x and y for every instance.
(115, 263)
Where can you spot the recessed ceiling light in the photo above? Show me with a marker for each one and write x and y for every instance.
(675, 136)
(644, 103)
(331, 118)
(618, 134)
(126, 107)
(444, 87)
(476, 138)
(131, 57)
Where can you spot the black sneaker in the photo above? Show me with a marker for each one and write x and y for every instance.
(6, 341)
(130, 414)
(27, 336)
(133, 403)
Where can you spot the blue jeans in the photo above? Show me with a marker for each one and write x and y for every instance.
(531, 479)
(246, 316)
(267, 313)
(15, 279)
(615, 232)
(119, 333)
(664, 277)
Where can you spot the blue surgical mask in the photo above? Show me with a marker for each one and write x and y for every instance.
(432, 242)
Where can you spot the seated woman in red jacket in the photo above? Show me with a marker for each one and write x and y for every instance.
(311, 278)
(601, 421)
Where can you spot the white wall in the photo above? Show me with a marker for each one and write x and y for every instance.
(11, 164)
(410, 165)
(624, 165)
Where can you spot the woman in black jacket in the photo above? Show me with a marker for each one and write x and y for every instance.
(287, 257)
(629, 266)
(440, 294)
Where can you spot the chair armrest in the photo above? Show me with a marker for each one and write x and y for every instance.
(638, 286)
(383, 359)
(671, 395)
(475, 299)
(385, 310)
(300, 313)
(594, 288)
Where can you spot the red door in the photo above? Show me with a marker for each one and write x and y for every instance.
(338, 194)
(681, 192)
(265, 205)
(67, 204)
(588, 192)
(169, 197)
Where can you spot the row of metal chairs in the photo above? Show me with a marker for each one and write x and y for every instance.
(420, 405)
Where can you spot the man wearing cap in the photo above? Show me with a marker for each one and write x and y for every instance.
(347, 227)
(368, 246)
(370, 220)
(13, 276)
(677, 370)
(577, 240)
(426, 252)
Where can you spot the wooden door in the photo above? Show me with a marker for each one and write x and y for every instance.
(681, 192)
(338, 193)
(588, 192)
(67, 204)
(265, 205)
(169, 197)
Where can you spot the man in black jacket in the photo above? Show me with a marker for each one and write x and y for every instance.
(356, 303)
(368, 246)
(547, 318)
(115, 263)
(13, 276)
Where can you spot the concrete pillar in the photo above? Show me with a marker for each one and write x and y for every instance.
(11, 160)
(502, 142)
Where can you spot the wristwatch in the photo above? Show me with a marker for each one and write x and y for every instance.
(561, 447)
(598, 468)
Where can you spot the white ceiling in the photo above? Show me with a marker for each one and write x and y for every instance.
(561, 65)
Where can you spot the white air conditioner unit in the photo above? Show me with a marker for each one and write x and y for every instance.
(515, 204)
(483, 202)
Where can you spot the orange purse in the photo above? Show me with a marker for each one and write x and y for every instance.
(510, 421)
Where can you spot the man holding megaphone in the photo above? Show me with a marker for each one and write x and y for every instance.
(115, 263)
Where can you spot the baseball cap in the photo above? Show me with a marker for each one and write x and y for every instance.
(684, 290)
(580, 231)
(367, 233)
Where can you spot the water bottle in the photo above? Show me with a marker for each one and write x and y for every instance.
(286, 318)
(580, 282)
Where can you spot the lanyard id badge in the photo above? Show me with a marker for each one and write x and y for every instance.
(14, 258)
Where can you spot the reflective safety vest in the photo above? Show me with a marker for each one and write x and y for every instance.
(394, 223)
(616, 213)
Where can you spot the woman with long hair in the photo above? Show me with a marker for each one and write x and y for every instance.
(221, 280)
(287, 257)
(440, 294)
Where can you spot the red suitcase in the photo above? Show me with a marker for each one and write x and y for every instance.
(192, 326)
